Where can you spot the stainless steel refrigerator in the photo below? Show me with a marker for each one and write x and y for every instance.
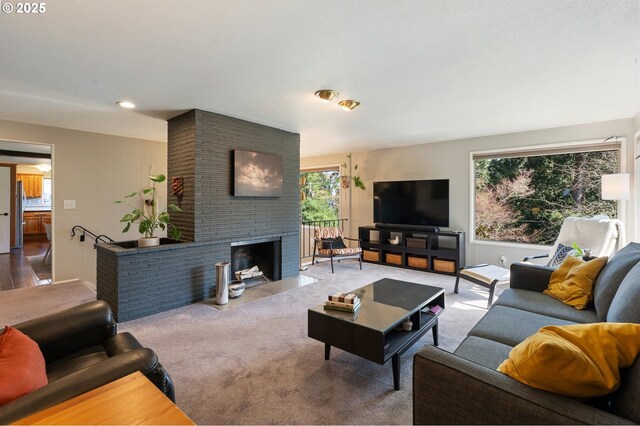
(21, 201)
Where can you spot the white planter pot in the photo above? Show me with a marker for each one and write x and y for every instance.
(149, 242)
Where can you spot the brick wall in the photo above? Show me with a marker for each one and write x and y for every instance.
(201, 148)
(139, 282)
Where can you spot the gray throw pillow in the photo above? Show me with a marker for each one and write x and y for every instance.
(611, 277)
(625, 306)
(561, 253)
(333, 243)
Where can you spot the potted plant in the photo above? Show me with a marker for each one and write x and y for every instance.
(148, 217)
(345, 174)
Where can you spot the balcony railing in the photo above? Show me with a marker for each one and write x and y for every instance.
(307, 232)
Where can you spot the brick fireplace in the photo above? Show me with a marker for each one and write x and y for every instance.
(200, 150)
(265, 254)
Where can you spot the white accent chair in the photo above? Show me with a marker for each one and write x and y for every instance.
(602, 235)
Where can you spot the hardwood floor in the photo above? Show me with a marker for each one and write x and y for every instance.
(15, 269)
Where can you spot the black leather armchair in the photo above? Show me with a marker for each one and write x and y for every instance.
(83, 351)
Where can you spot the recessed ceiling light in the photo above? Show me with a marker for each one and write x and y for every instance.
(326, 94)
(126, 104)
(348, 105)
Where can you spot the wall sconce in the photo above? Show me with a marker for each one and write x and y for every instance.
(615, 187)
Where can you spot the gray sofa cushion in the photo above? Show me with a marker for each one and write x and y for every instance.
(483, 351)
(540, 303)
(626, 303)
(625, 401)
(511, 326)
(611, 277)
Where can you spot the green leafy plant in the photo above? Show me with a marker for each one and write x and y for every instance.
(148, 218)
(357, 181)
(578, 252)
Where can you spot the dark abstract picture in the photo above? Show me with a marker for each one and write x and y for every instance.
(257, 174)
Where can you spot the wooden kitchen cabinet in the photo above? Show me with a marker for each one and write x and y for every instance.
(31, 224)
(34, 222)
(32, 184)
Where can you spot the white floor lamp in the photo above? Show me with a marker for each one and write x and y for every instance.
(615, 187)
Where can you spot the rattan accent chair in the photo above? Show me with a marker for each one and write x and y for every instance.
(330, 244)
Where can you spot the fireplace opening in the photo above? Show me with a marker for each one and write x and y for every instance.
(265, 255)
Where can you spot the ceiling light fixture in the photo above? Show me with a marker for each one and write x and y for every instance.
(326, 95)
(126, 104)
(44, 167)
(348, 105)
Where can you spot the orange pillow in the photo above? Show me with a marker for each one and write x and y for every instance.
(572, 282)
(22, 366)
(582, 360)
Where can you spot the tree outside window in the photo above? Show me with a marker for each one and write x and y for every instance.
(320, 195)
(525, 199)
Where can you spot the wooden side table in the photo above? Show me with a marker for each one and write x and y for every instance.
(132, 399)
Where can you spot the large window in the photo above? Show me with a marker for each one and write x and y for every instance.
(524, 196)
(46, 191)
(320, 195)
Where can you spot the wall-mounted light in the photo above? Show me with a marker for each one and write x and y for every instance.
(348, 105)
(326, 95)
(615, 186)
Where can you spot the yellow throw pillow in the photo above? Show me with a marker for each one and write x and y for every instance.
(581, 360)
(572, 282)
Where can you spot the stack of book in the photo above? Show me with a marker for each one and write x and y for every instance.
(343, 302)
(433, 310)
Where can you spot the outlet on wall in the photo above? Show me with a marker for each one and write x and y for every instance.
(503, 261)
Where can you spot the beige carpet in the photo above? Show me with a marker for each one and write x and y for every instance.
(25, 303)
(41, 268)
(254, 364)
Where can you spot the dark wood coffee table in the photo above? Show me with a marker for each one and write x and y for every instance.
(372, 333)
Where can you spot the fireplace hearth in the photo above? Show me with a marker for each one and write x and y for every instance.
(265, 254)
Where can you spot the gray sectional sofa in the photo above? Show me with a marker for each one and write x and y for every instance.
(464, 387)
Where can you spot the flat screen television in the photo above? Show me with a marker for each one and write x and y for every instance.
(256, 174)
(412, 203)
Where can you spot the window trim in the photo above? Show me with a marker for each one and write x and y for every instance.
(311, 169)
(619, 141)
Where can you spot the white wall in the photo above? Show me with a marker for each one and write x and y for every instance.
(94, 170)
(450, 160)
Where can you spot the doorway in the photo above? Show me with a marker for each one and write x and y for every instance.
(26, 181)
(320, 202)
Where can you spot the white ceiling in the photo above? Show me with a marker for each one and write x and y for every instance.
(424, 70)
